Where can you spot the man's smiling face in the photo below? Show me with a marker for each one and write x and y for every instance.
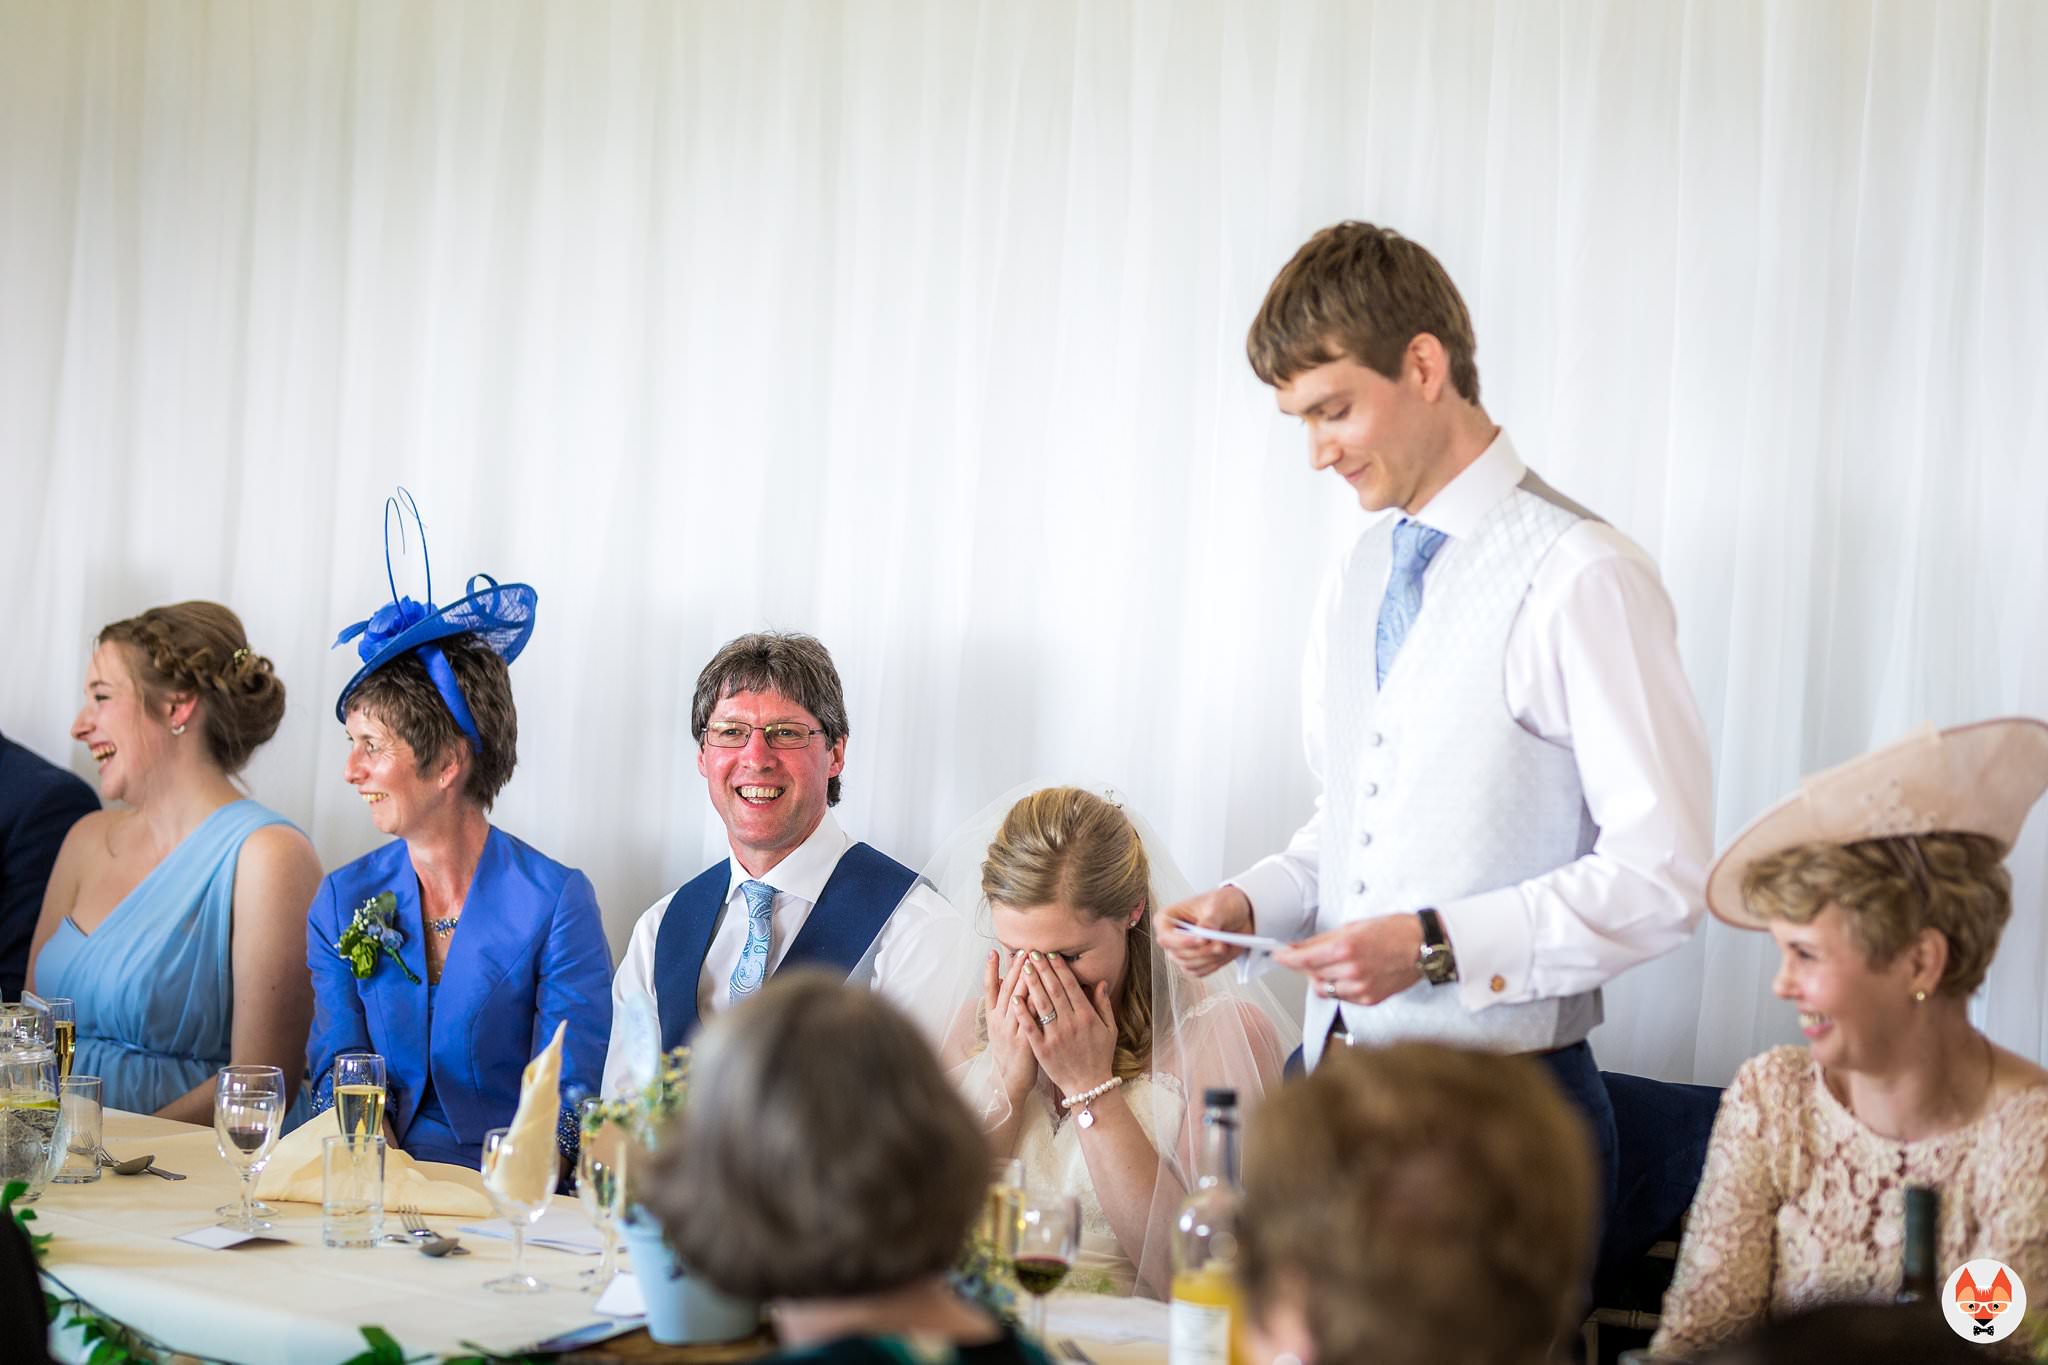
(1371, 431)
(770, 799)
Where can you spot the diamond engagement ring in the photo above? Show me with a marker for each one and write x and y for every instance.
(1045, 1020)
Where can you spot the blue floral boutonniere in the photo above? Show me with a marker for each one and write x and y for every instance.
(371, 932)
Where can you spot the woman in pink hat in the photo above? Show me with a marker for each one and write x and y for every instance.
(1883, 882)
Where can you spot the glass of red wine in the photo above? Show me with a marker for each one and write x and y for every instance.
(1048, 1235)
(248, 1113)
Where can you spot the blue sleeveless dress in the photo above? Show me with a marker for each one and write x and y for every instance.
(152, 986)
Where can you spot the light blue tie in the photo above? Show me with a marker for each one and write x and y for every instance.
(1414, 546)
(753, 966)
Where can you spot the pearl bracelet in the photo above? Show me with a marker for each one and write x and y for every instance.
(1086, 1118)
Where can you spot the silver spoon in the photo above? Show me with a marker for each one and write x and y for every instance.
(136, 1165)
(442, 1246)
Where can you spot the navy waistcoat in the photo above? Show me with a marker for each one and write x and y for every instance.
(860, 895)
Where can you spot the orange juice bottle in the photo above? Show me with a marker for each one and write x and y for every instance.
(1206, 1318)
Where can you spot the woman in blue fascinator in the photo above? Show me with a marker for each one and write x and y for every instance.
(455, 949)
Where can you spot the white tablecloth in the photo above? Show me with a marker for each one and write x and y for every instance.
(300, 1303)
(297, 1301)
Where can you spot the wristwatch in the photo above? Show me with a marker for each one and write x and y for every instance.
(1438, 964)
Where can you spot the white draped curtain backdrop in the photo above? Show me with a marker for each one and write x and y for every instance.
(920, 326)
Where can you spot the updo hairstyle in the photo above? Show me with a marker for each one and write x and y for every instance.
(199, 649)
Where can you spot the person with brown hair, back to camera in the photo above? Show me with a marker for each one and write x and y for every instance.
(824, 1164)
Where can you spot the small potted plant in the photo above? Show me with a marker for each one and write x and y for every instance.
(682, 1308)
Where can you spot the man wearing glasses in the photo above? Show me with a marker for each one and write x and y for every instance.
(769, 718)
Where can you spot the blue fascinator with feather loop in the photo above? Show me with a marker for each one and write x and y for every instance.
(500, 615)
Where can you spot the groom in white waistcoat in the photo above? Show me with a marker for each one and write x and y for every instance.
(1516, 791)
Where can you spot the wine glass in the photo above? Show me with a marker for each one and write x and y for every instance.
(1048, 1235)
(248, 1111)
(500, 1148)
(601, 1187)
(359, 1094)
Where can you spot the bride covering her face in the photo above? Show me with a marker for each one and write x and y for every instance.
(1084, 1051)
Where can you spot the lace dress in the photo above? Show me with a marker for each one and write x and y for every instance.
(1801, 1204)
(1049, 1145)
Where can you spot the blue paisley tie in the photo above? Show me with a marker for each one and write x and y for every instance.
(1414, 546)
(753, 966)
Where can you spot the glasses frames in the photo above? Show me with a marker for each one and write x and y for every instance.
(734, 734)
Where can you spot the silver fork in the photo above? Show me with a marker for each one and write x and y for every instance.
(415, 1225)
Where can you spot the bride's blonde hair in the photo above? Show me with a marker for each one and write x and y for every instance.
(1066, 846)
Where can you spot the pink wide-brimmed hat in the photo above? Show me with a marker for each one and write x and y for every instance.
(1971, 779)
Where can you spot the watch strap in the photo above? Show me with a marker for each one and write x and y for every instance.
(1438, 964)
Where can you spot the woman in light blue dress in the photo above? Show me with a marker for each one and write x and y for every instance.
(175, 924)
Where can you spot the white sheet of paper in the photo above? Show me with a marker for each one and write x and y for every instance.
(621, 1298)
(565, 1227)
(220, 1239)
(1255, 942)
(1112, 1320)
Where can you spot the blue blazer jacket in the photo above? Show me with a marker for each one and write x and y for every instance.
(531, 952)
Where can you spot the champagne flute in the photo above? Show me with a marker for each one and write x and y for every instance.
(999, 1213)
(1048, 1235)
(248, 1111)
(521, 1208)
(64, 1021)
(600, 1185)
(359, 1094)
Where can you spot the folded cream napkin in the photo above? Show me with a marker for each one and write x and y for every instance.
(293, 1175)
(527, 1164)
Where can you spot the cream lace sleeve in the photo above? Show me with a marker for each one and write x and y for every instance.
(1723, 1282)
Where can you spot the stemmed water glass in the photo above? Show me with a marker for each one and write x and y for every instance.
(1048, 1235)
(248, 1111)
(600, 1184)
(499, 1146)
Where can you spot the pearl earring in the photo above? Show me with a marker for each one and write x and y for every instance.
(179, 728)
(1919, 997)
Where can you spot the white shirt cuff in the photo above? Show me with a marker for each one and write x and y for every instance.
(1492, 939)
(1278, 909)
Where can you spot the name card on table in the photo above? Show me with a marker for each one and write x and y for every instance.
(220, 1239)
(621, 1298)
(565, 1228)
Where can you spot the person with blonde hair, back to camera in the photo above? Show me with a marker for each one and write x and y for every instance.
(1416, 1205)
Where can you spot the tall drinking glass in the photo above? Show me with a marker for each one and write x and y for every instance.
(359, 1094)
(80, 1100)
(521, 1212)
(601, 1187)
(248, 1111)
(1048, 1235)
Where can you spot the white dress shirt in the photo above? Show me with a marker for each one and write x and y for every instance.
(1591, 664)
(913, 960)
